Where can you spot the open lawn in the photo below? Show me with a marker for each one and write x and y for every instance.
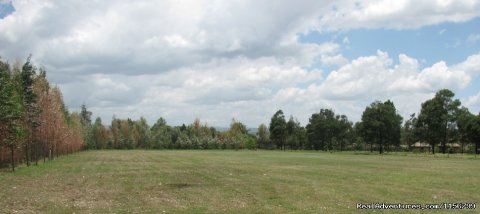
(139, 181)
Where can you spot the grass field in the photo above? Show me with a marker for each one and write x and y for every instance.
(236, 182)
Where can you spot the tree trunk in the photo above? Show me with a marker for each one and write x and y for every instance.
(27, 159)
(444, 143)
(12, 158)
(433, 149)
(45, 152)
(36, 153)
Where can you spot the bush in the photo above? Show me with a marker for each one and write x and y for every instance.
(251, 143)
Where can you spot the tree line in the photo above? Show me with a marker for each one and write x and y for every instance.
(34, 122)
(137, 134)
(441, 122)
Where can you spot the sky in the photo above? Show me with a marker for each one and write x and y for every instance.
(217, 60)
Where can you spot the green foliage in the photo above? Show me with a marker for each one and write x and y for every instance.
(251, 143)
(11, 110)
(278, 129)
(296, 134)
(327, 131)
(86, 123)
(29, 97)
(99, 135)
(381, 125)
(237, 136)
(263, 136)
(85, 116)
(437, 119)
(473, 131)
(34, 115)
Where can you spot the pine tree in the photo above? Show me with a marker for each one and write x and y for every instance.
(10, 112)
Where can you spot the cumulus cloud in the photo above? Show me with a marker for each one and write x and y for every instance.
(151, 36)
(366, 79)
(252, 90)
(221, 59)
(473, 103)
(471, 65)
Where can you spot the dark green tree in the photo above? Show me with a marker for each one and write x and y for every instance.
(163, 136)
(86, 122)
(343, 132)
(29, 99)
(278, 129)
(11, 111)
(436, 121)
(320, 130)
(143, 130)
(296, 135)
(381, 125)
(464, 119)
(473, 132)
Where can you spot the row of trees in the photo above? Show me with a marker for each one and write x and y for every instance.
(441, 122)
(131, 134)
(34, 122)
(380, 126)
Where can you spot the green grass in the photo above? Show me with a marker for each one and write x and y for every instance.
(237, 182)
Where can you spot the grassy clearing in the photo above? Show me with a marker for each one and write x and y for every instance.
(236, 182)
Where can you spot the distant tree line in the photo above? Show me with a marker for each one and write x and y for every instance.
(34, 122)
(133, 134)
(441, 122)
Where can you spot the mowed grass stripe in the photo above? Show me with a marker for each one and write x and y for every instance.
(139, 181)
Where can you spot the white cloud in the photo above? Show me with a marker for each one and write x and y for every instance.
(399, 14)
(221, 59)
(366, 79)
(471, 65)
(473, 103)
(253, 89)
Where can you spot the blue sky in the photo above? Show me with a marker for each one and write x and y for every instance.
(247, 59)
(445, 41)
(6, 9)
(449, 42)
